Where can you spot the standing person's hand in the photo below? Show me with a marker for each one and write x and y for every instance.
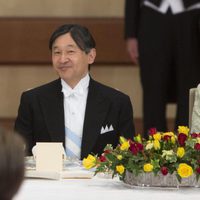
(132, 48)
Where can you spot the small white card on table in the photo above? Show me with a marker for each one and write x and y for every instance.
(49, 156)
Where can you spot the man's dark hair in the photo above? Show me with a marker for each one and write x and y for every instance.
(80, 35)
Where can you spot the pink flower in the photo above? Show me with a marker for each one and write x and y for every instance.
(164, 170)
(182, 138)
(152, 131)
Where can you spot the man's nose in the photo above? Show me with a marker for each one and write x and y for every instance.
(64, 58)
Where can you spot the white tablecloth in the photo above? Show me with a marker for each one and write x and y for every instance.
(97, 189)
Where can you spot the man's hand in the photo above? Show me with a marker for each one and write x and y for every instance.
(132, 48)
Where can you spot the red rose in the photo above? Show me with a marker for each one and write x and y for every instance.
(197, 146)
(139, 146)
(133, 148)
(182, 138)
(198, 170)
(167, 138)
(194, 135)
(152, 131)
(107, 151)
(164, 170)
(102, 158)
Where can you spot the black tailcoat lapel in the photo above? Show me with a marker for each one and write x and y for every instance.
(53, 109)
(96, 109)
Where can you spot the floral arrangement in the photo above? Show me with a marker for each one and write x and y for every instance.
(163, 152)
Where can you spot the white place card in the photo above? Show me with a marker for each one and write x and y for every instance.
(49, 156)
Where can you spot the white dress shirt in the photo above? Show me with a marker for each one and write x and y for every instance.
(176, 6)
(74, 109)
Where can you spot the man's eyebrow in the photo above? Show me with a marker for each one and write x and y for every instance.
(67, 46)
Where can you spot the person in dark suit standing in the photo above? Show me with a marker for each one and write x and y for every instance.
(75, 109)
(163, 36)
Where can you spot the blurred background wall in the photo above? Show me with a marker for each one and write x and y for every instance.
(16, 77)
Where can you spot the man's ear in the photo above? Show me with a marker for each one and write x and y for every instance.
(91, 56)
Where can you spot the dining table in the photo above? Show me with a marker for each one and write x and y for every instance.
(98, 188)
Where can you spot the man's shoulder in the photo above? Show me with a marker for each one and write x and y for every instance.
(44, 88)
(109, 91)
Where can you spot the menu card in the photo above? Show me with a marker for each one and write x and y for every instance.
(49, 156)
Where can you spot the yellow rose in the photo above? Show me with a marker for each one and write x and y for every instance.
(148, 167)
(168, 134)
(184, 170)
(89, 162)
(125, 146)
(157, 136)
(120, 169)
(180, 152)
(183, 129)
(119, 157)
(156, 144)
(173, 139)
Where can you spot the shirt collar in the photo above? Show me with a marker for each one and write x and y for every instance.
(79, 89)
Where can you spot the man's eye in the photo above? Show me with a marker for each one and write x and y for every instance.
(56, 52)
(71, 51)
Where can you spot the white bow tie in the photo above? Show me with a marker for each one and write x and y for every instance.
(75, 92)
